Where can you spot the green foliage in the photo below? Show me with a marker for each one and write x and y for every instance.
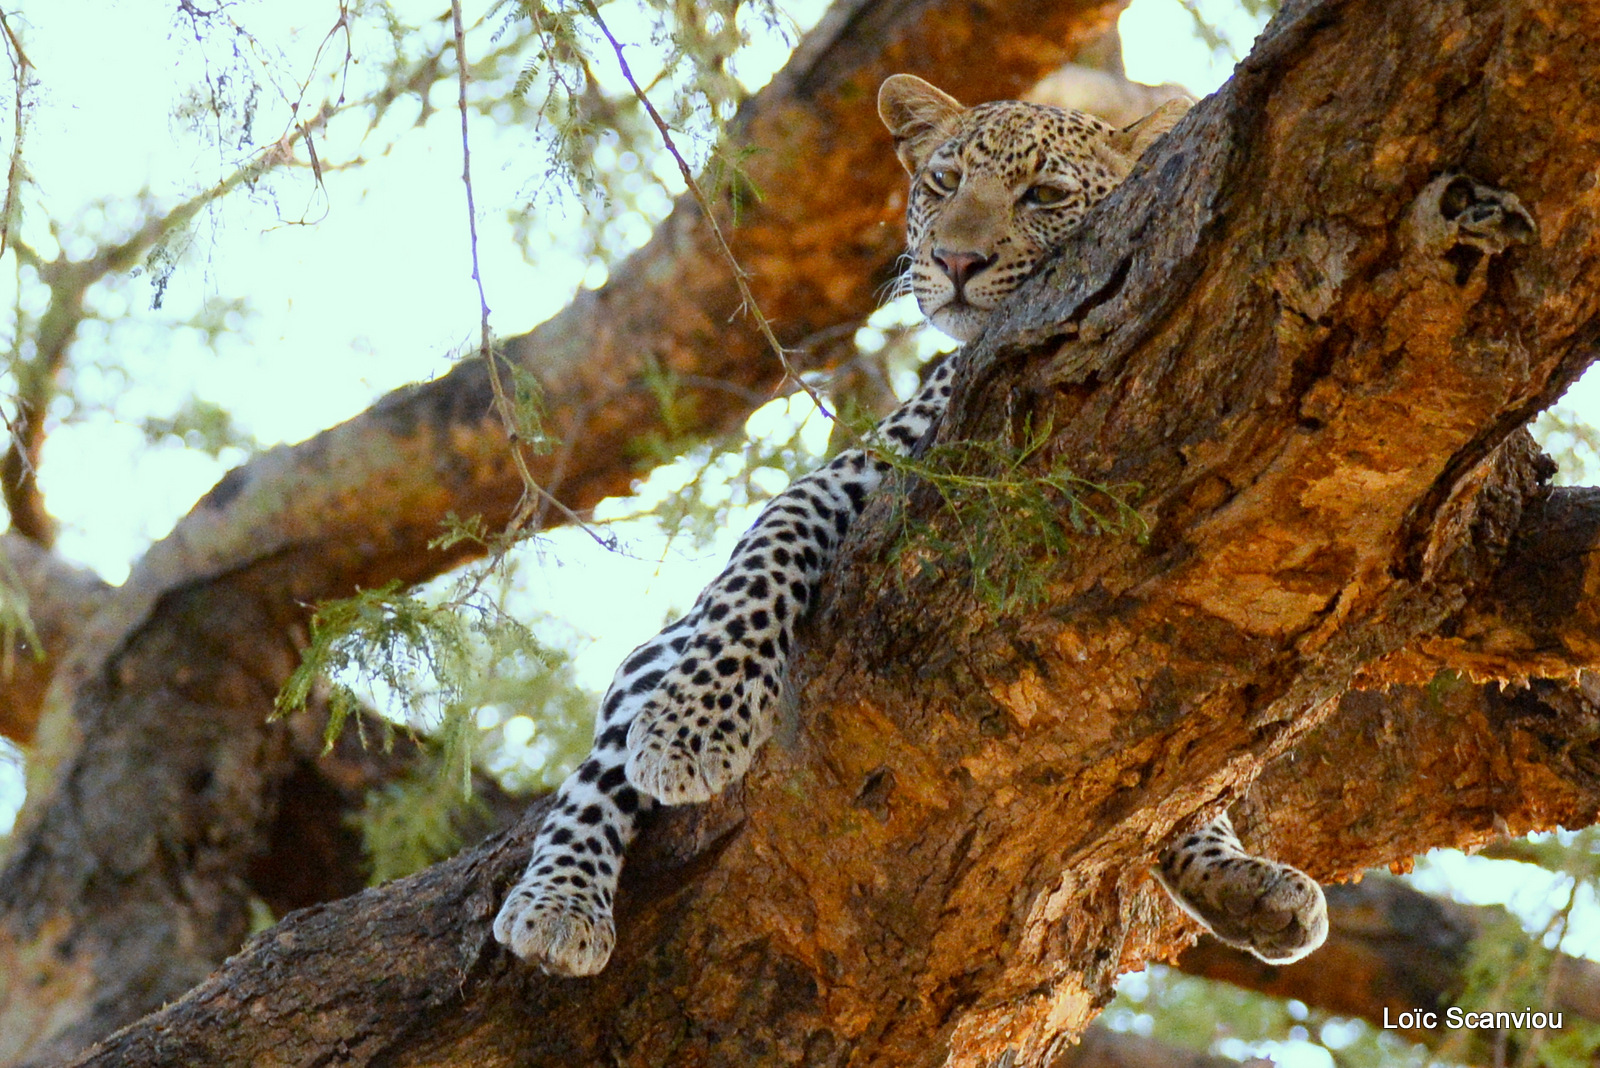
(527, 408)
(1225, 1020)
(726, 171)
(201, 424)
(433, 658)
(677, 412)
(414, 822)
(1006, 507)
(1512, 972)
(457, 667)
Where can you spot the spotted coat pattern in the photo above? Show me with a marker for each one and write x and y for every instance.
(994, 188)
(687, 709)
(1249, 902)
(1008, 182)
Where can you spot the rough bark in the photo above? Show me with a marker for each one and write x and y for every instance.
(1540, 618)
(128, 879)
(944, 859)
(450, 995)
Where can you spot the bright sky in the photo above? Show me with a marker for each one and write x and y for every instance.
(374, 294)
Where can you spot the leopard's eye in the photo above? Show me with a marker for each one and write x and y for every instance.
(1045, 195)
(944, 180)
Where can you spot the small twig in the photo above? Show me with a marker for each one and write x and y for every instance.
(502, 402)
(20, 66)
(341, 23)
(747, 298)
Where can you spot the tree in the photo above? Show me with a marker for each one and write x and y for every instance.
(1309, 332)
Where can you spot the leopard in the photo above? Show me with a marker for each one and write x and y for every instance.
(994, 190)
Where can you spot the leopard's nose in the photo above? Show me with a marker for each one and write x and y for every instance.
(962, 267)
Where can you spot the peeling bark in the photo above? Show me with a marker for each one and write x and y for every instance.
(1540, 618)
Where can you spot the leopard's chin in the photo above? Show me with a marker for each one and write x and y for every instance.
(959, 319)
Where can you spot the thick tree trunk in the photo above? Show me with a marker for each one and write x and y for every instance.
(1310, 347)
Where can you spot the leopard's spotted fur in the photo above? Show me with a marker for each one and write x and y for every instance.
(994, 189)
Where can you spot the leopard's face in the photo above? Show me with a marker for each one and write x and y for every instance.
(994, 188)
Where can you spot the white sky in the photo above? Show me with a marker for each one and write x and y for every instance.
(375, 294)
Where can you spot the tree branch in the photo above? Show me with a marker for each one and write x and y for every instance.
(1540, 618)
(445, 977)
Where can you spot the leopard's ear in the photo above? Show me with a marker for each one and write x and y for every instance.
(1131, 141)
(918, 115)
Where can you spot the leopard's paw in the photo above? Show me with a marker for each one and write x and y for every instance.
(563, 932)
(1269, 909)
(689, 744)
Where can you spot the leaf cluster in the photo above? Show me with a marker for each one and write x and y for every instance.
(456, 667)
(1009, 512)
(413, 822)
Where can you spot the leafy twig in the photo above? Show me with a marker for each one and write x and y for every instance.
(486, 337)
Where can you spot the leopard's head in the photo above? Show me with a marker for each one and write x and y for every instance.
(996, 187)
